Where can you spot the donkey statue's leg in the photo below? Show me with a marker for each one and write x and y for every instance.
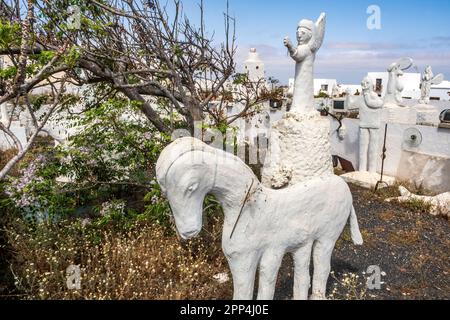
(268, 273)
(322, 267)
(243, 268)
(302, 277)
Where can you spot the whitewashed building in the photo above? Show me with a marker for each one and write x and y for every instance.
(441, 91)
(411, 82)
(254, 66)
(327, 86)
(412, 86)
(324, 85)
(352, 89)
(320, 85)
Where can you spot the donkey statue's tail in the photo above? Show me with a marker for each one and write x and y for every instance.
(354, 229)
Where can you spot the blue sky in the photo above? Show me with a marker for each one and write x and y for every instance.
(418, 29)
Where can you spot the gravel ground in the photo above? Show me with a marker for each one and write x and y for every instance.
(410, 247)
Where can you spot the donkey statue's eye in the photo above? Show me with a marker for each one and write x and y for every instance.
(193, 187)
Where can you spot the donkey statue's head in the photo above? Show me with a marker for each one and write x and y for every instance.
(185, 179)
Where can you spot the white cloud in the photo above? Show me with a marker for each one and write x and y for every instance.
(349, 62)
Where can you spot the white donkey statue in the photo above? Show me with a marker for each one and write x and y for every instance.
(261, 225)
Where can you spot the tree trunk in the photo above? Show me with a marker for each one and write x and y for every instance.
(195, 117)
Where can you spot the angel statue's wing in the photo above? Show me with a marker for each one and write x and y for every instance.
(319, 34)
(438, 79)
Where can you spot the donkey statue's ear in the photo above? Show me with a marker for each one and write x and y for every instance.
(438, 79)
(405, 63)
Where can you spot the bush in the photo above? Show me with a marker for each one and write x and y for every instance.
(34, 191)
(94, 202)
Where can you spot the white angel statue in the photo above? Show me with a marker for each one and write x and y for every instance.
(310, 37)
(428, 79)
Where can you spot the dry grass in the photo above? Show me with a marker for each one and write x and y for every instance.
(404, 238)
(143, 263)
(393, 191)
(346, 236)
(370, 239)
(387, 216)
(352, 284)
(5, 156)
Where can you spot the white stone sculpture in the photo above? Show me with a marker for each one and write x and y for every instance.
(310, 37)
(370, 118)
(393, 97)
(261, 224)
(299, 147)
(426, 113)
(440, 204)
(335, 92)
(370, 113)
(428, 79)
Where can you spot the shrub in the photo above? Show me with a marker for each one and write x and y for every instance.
(33, 191)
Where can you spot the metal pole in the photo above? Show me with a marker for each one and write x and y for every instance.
(383, 156)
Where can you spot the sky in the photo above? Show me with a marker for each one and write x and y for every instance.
(413, 28)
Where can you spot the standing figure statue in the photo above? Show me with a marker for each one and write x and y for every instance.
(395, 86)
(310, 37)
(370, 114)
(335, 93)
(428, 79)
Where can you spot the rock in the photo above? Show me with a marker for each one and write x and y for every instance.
(368, 180)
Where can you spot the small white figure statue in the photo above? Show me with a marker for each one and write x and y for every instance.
(395, 86)
(310, 37)
(370, 113)
(428, 79)
(335, 93)
(261, 225)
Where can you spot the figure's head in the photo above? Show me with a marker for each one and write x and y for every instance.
(428, 70)
(395, 69)
(398, 67)
(305, 31)
(367, 84)
(185, 179)
(187, 185)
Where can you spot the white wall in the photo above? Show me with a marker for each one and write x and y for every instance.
(440, 105)
(7, 143)
(428, 164)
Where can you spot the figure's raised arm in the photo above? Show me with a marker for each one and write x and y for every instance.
(373, 101)
(319, 34)
(288, 44)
